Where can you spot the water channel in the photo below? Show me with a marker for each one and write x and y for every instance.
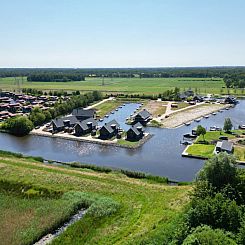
(161, 155)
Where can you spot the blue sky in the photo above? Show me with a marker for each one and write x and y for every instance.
(121, 33)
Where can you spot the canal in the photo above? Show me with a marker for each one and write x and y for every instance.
(161, 155)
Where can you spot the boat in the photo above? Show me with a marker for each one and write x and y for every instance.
(214, 113)
(191, 136)
(106, 115)
(242, 127)
(207, 116)
(101, 119)
(186, 143)
(116, 109)
(221, 111)
(198, 119)
(112, 112)
(227, 108)
(187, 123)
(214, 128)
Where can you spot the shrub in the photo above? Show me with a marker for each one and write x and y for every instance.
(206, 235)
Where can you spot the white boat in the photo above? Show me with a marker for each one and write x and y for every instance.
(101, 119)
(187, 124)
(213, 128)
(207, 116)
(214, 113)
(116, 109)
(198, 119)
(106, 115)
(112, 112)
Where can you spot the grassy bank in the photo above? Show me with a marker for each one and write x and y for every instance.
(124, 209)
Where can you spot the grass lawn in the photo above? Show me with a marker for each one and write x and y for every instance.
(124, 142)
(239, 153)
(125, 85)
(214, 135)
(181, 105)
(122, 210)
(107, 107)
(201, 150)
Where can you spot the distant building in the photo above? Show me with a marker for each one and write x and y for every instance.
(109, 130)
(224, 146)
(186, 94)
(230, 100)
(83, 114)
(85, 127)
(143, 117)
(198, 98)
(136, 132)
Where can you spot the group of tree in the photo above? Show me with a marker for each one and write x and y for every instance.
(215, 214)
(55, 77)
(235, 80)
(22, 125)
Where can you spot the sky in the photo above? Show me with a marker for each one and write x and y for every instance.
(122, 33)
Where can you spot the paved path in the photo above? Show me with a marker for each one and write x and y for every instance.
(101, 102)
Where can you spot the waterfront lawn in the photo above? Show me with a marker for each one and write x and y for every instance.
(211, 136)
(201, 150)
(125, 211)
(131, 144)
(106, 107)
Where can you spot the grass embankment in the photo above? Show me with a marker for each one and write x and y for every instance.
(123, 210)
(181, 105)
(206, 148)
(126, 85)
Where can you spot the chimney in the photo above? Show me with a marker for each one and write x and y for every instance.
(90, 125)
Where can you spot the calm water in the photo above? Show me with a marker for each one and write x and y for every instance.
(161, 155)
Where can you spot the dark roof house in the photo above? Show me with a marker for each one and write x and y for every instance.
(85, 127)
(60, 123)
(109, 130)
(224, 146)
(231, 100)
(83, 114)
(136, 132)
(143, 117)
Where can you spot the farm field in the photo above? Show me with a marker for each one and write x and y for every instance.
(122, 210)
(125, 85)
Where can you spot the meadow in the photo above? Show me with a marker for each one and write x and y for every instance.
(36, 198)
(126, 85)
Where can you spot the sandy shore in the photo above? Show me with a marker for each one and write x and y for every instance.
(189, 114)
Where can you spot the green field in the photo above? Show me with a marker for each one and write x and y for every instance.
(125, 85)
(36, 198)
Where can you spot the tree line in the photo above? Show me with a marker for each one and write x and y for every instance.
(55, 77)
(194, 72)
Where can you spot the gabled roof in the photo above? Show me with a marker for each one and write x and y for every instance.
(225, 145)
(134, 128)
(108, 125)
(81, 112)
(144, 114)
(59, 122)
(84, 124)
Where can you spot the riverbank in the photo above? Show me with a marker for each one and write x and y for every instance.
(140, 209)
(189, 114)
